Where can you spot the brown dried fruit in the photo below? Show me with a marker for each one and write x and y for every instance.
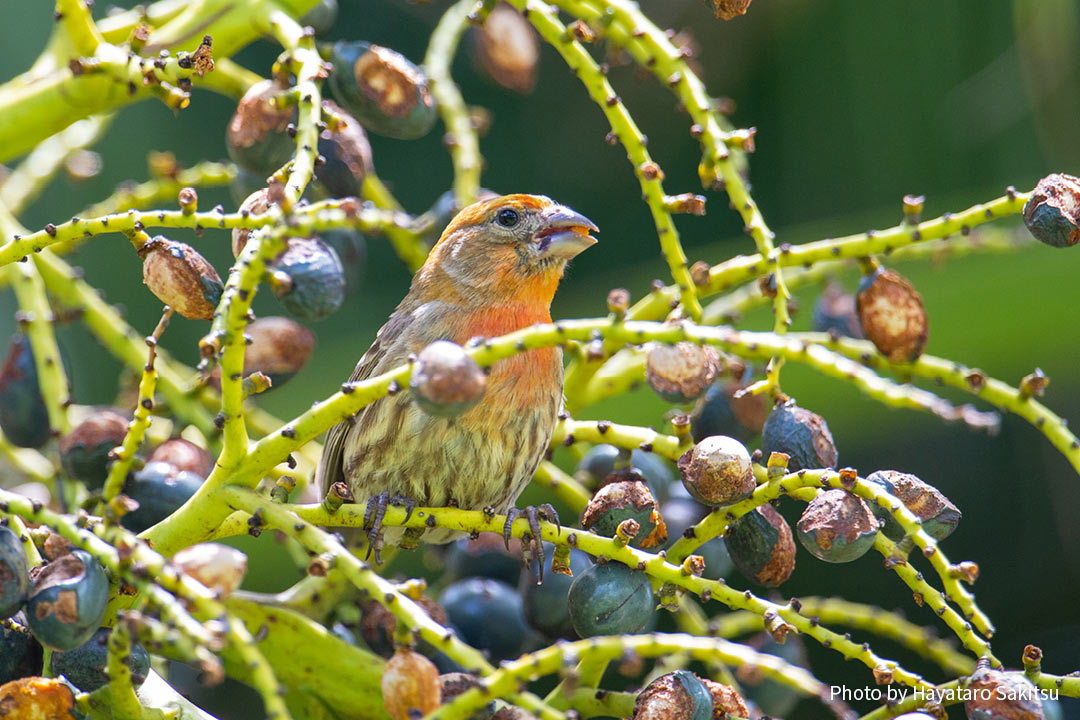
(624, 500)
(938, 514)
(679, 695)
(681, 372)
(84, 452)
(256, 203)
(181, 278)
(279, 348)
(726, 702)
(219, 567)
(837, 526)
(445, 380)
(255, 135)
(410, 685)
(717, 471)
(507, 48)
(997, 695)
(183, 455)
(728, 9)
(761, 546)
(1052, 213)
(892, 315)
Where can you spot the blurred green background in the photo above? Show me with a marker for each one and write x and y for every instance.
(856, 104)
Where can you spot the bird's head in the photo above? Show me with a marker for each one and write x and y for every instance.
(509, 248)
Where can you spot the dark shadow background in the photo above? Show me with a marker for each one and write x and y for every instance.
(855, 104)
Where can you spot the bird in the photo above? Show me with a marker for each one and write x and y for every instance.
(494, 270)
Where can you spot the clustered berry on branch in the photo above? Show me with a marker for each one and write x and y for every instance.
(652, 519)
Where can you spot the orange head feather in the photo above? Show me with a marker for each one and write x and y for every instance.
(505, 253)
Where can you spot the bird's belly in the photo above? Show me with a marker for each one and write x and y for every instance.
(482, 458)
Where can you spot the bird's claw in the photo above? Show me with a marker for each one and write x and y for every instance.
(534, 514)
(373, 519)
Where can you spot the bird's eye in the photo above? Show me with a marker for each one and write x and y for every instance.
(507, 217)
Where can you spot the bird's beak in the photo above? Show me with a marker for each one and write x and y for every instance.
(565, 233)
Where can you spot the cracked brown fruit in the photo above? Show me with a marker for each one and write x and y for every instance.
(84, 452)
(761, 546)
(679, 695)
(938, 515)
(837, 527)
(181, 278)
(800, 434)
(256, 136)
(410, 685)
(681, 372)
(625, 500)
(382, 89)
(892, 315)
(67, 603)
(717, 471)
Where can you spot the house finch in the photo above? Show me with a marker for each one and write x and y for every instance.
(494, 270)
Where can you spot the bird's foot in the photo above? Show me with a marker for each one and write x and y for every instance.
(532, 539)
(373, 519)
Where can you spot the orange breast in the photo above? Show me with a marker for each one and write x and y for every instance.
(528, 380)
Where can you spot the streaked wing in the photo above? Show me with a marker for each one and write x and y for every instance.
(390, 348)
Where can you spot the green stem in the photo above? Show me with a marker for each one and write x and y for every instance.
(972, 380)
(460, 133)
(716, 523)
(363, 577)
(133, 438)
(742, 268)
(657, 567)
(881, 622)
(78, 24)
(650, 176)
(562, 485)
(121, 340)
(123, 702)
(198, 518)
(45, 100)
(317, 216)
